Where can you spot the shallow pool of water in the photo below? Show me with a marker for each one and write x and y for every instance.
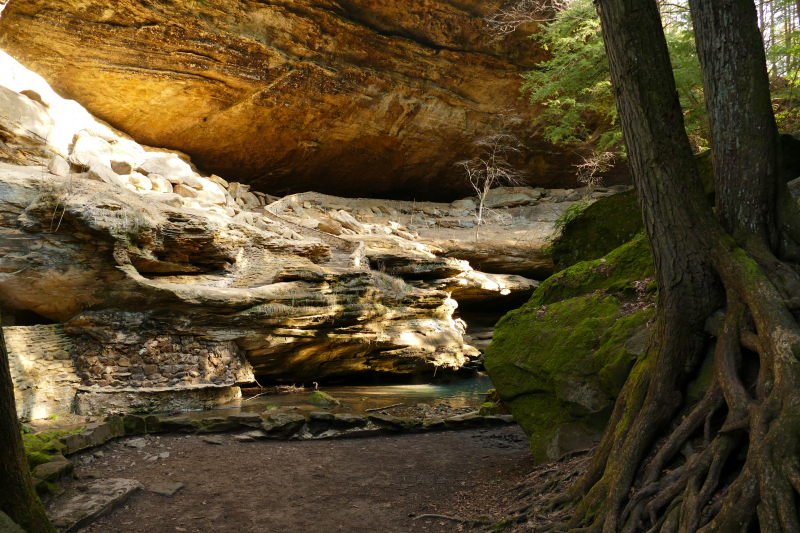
(358, 399)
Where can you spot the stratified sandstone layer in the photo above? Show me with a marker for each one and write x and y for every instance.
(354, 98)
(130, 275)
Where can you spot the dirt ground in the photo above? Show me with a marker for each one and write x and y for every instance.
(380, 484)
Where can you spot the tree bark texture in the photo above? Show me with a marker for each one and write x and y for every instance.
(744, 137)
(666, 180)
(704, 262)
(18, 498)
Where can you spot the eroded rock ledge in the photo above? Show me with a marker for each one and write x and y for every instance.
(173, 286)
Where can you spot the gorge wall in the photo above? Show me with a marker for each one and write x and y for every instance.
(355, 98)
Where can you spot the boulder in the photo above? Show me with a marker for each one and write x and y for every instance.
(391, 211)
(80, 506)
(160, 183)
(8, 526)
(88, 147)
(100, 172)
(282, 425)
(347, 221)
(330, 226)
(311, 223)
(219, 181)
(58, 166)
(209, 192)
(168, 490)
(170, 199)
(598, 229)
(122, 167)
(322, 399)
(192, 181)
(140, 181)
(170, 166)
(511, 196)
(185, 191)
(250, 200)
(236, 189)
(53, 471)
(559, 362)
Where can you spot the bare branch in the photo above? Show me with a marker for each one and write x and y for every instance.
(517, 13)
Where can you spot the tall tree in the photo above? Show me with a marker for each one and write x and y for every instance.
(18, 498)
(705, 261)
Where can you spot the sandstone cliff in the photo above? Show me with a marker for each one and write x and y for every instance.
(355, 98)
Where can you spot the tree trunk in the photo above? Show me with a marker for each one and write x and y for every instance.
(666, 182)
(744, 137)
(703, 261)
(18, 498)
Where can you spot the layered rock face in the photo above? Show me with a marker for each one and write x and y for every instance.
(355, 98)
(122, 270)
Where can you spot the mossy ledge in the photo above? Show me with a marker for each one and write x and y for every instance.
(559, 362)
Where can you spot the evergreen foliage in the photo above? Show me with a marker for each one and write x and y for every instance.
(574, 89)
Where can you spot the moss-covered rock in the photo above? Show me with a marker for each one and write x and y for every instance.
(283, 425)
(493, 408)
(53, 471)
(602, 227)
(322, 399)
(47, 446)
(612, 273)
(559, 362)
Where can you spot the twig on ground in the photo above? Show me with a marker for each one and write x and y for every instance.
(382, 408)
(443, 517)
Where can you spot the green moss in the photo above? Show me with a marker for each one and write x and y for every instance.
(492, 396)
(322, 399)
(628, 262)
(559, 362)
(538, 343)
(619, 347)
(602, 227)
(45, 488)
(540, 415)
(47, 442)
(493, 408)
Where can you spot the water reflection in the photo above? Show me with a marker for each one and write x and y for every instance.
(358, 399)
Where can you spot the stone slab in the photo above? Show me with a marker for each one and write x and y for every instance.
(167, 490)
(79, 507)
(53, 471)
(94, 435)
(96, 402)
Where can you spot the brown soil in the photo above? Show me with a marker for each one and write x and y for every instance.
(359, 485)
(524, 505)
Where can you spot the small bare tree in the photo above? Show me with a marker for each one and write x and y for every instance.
(492, 168)
(515, 13)
(593, 165)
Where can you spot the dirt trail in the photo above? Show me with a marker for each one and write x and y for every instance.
(359, 485)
